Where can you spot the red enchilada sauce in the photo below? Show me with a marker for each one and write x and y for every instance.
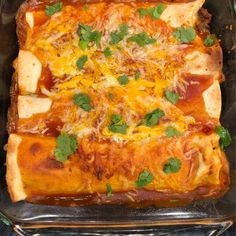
(191, 101)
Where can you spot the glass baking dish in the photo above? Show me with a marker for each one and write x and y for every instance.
(211, 217)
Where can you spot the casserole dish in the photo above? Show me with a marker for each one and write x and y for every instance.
(97, 218)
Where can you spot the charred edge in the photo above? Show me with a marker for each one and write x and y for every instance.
(12, 114)
(204, 19)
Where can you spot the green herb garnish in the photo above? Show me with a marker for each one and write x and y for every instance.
(87, 36)
(81, 61)
(109, 190)
(52, 9)
(117, 125)
(65, 146)
(85, 7)
(118, 35)
(107, 52)
(116, 118)
(172, 166)
(118, 128)
(172, 97)
(137, 75)
(225, 138)
(153, 117)
(123, 79)
(110, 96)
(154, 12)
(141, 39)
(83, 101)
(210, 40)
(185, 34)
(172, 132)
(144, 178)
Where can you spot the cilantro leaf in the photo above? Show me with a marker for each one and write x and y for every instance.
(110, 96)
(81, 61)
(210, 40)
(83, 101)
(52, 9)
(65, 146)
(153, 117)
(144, 178)
(87, 35)
(117, 125)
(141, 39)
(85, 7)
(185, 34)
(107, 52)
(172, 96)
(172, 132)
(109, 190)
(118, 128)
(154, 12)
(116, 118)
(173, 165)
(117, 36)
(225, 138)
(137, 75)
(123, 79)
(143, 12)
(157, 11)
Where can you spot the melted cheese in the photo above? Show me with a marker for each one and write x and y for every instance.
(160, 64)
(52, 47)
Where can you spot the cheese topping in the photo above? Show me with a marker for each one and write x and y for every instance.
(137, 44)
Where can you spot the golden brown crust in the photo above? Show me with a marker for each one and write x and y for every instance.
(12, 115)
(14, 176)
(87, 175)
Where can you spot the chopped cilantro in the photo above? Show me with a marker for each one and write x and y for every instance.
(144, 178)
(157, 11)
(123, 79)
(137, 75)
(172, 132)
(153, 117)
(172, 96)
(52, 9)
(225, 138)
(185, 34)
(83, 101)
(210, 40)
(107, 52)
(117, 125)
(141, 39)
(65, 146)
(154, 12)
(117, 36)
(87, 36)
(85, 7)
(118, 128)
(81, 61)
(110, 95)
(116, 118)
(143, 12)
(109, 190)
(173, 165)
